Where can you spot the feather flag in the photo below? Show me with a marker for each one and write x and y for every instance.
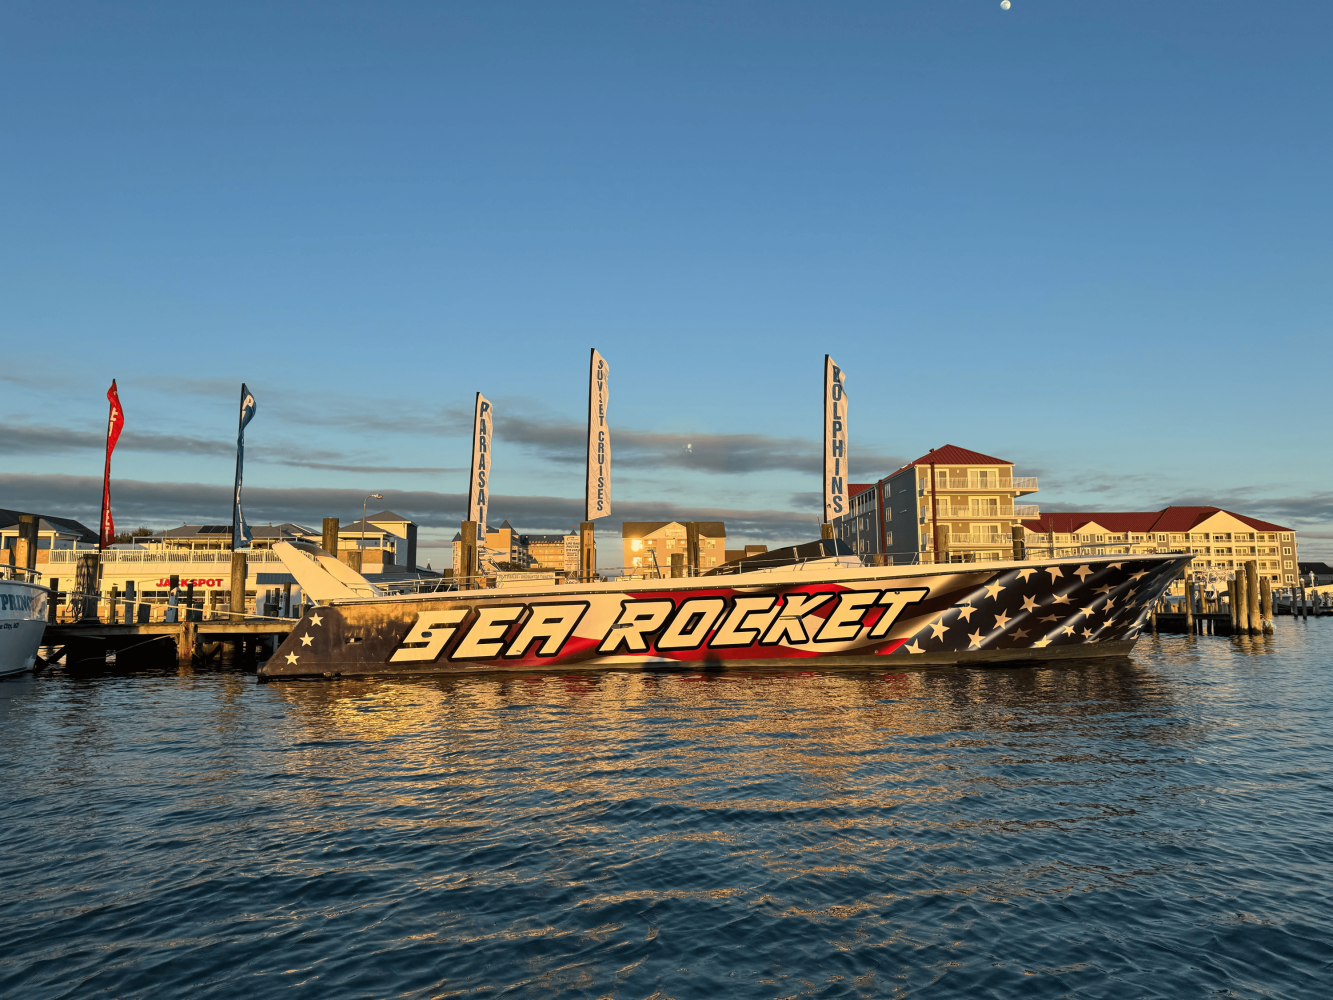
(240, 531)
(115, 423)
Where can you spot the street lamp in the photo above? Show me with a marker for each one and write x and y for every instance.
(370, 497)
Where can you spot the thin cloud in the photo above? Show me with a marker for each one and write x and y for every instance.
(162, 503)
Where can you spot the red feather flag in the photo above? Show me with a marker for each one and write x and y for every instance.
(115, 423)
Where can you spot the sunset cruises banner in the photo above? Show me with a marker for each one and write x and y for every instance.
(598, 488)
(115, 423)
(478, 494)
(240, 531)
(835, 441)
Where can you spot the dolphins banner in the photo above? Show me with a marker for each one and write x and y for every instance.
(598, 488)
(240, 531)
(478, 491)
(115, 423)
(835, 441)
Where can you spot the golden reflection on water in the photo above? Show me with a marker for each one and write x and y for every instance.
(726, 743)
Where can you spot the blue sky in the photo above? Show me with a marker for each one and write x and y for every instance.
(1089, 238)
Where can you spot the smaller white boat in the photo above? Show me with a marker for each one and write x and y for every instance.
(22, 619)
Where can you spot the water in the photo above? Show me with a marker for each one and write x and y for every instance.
(1154, 827)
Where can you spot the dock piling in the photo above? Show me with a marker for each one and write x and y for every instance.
(1242, 603)
(467, 562)
(1266, 604)
(1188, 602)
(238, 572)
(330, 539)
(1252, 596)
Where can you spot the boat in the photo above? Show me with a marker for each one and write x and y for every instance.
(23, 603)
(811, 605)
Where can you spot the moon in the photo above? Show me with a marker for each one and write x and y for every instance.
(1004, 4)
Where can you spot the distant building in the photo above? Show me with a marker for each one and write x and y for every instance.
(217, 537)
(387, 531)
(52, 532)
(1220, 539)
(649, 546)
(553, 552)
(503, 545)
(951, 504)
(1316, 574)
(749, 550)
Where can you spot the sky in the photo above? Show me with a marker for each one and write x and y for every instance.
(1090, 239)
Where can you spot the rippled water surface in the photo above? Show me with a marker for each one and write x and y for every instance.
(1156, 826)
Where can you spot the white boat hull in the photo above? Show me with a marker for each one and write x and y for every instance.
(22, 624)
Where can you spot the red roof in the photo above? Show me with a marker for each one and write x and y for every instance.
(951, 454)
(1177, 519)
(854, 488)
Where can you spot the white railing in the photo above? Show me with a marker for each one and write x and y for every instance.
(957, 540)
(979, 483)
(142, 556)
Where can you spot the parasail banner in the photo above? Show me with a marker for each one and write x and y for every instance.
(835, 441)
(598, 491)
(478, 494)
(115, 423)
(241, 536)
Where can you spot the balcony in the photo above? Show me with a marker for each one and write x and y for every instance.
(980, 510)
(1022, 484)
(962, 541)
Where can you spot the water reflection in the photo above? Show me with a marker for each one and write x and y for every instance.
(1151, 824)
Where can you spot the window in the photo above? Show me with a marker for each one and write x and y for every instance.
(1287, 564)
(1286, 551)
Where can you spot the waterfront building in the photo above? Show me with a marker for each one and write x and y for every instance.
(649, 546)
(1220, 539)
(1316, 574)
(52, 533)
(503, 545)
(949, 505)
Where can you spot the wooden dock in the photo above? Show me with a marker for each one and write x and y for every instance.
(1205, 623)
(187, 642)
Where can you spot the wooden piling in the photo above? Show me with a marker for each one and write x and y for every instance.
(186, 638)
(1266, 604)
(189, 602)
(1252, 596)
(467, 562)
(238, 574)
(1020, 549)
(330, 541)
(1231, 603)
(587, 551)
(1188, 602)
(53, 604)
(85, 583)
(131, 602)
(1242, 602)
(25, 555)
(677, 565)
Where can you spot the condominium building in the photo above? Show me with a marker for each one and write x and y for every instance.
(949, 505)
(649, 546)
(557, 552)
(1220, 539)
